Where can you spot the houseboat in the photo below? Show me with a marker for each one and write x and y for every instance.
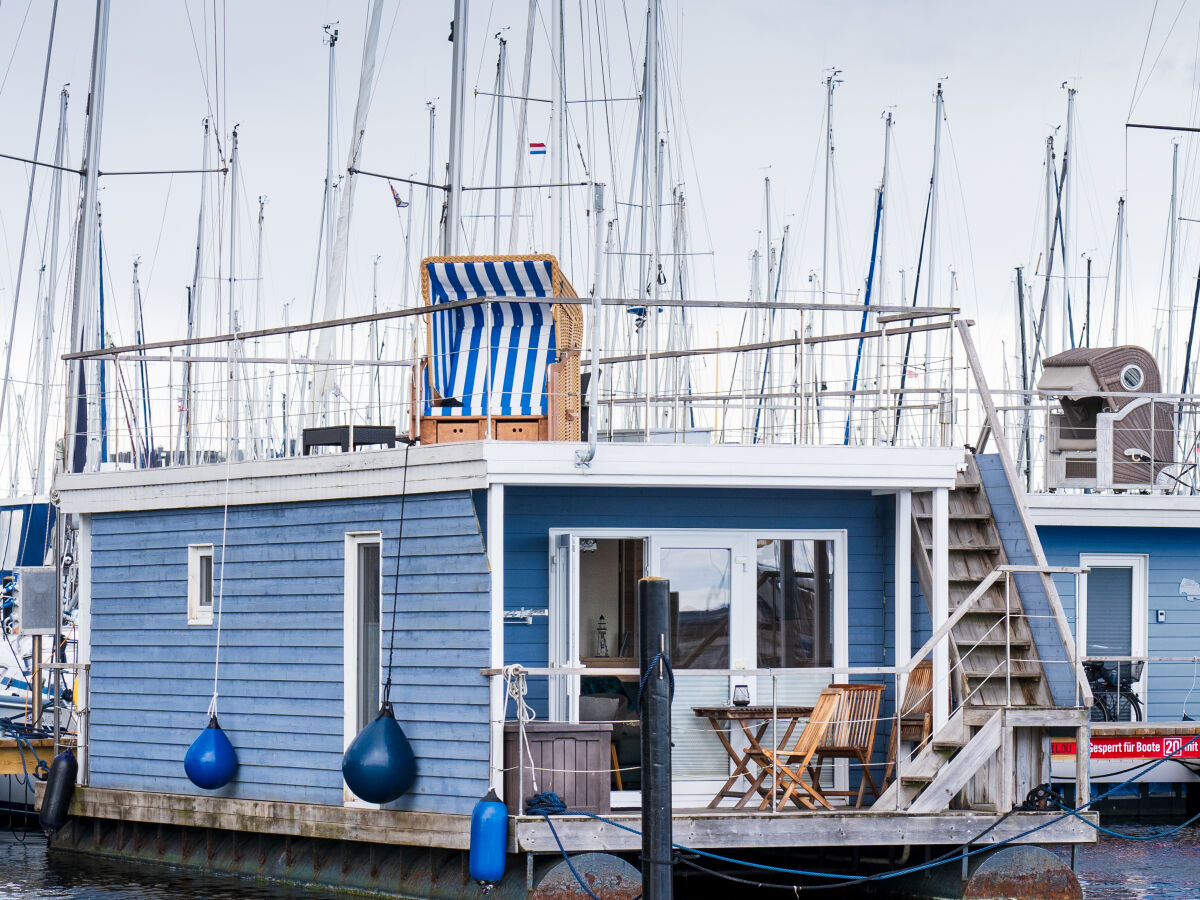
(1107, 460)
(878, 614)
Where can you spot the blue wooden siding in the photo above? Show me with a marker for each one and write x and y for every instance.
(281, 691)
(1172, 555)
(531, 512)
(1045, 631)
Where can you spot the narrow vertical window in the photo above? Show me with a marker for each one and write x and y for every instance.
(368, 631)
(200, 584)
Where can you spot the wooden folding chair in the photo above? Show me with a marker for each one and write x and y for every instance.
(914, 717)
(790, 765)
(852, 736)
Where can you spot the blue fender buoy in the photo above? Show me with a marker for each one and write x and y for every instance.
(379, 765)
(60, 787)
(211, 762)
(489, 839)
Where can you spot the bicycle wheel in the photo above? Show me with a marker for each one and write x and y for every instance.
(1135, 706)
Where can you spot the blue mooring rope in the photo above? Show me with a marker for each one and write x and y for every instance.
(548, 803)
(666, 662)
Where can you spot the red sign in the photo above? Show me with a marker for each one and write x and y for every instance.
(1135, 747)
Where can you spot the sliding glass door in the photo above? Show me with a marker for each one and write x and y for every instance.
(740, 600)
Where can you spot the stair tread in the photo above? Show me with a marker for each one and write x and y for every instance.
(971, 517)
(982, 548)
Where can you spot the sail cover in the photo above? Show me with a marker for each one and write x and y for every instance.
(517, 328)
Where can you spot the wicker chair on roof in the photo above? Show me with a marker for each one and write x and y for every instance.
(527, 386)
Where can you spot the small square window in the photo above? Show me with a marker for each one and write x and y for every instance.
(200, 584)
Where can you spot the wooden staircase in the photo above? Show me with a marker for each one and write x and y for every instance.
(978, 642)
(965, 754)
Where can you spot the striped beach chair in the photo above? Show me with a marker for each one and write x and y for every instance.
(513, 360)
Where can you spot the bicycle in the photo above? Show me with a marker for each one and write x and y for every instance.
(1112, 683)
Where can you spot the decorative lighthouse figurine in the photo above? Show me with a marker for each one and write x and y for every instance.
(601, 638)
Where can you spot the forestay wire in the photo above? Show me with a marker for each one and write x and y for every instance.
(387, 687)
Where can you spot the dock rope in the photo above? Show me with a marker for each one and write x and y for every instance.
(212, 704)
(548, 804)
(387, 686)
(516, 688)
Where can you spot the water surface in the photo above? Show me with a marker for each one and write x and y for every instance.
(1156, 869)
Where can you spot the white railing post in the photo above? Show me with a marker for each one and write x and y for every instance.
(902, 565)
(941, 605)
(1008, 637)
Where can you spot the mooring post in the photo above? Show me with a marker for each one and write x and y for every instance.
(654, 617)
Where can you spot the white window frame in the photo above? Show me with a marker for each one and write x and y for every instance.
(350, 626)
(197, 614)
(563, 615)
(1139, 563)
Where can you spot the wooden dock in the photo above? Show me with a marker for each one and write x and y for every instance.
(705, 829)
(21, 757)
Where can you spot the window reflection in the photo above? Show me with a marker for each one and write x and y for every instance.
(795, 603)
(700, 596)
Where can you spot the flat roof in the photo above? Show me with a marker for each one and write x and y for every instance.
(480, 464)
(1156, 510)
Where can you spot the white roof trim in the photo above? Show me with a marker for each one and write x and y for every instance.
(477, 465)
(1114, 510)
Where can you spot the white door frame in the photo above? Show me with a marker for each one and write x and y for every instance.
(1139, 563)
(350, 626)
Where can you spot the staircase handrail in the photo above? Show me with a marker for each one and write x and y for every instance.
(980, 590)
(943, 631)
(1035, 545)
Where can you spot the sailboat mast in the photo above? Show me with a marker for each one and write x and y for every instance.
(1044, 321)
(37, 145)
(1120, 248)
(1172, 248)
(497, 194)
(558, 119)
(1065, 220)
(257, 419)
(81, 451)
(330, 183)
(450, 238)
(430, 244)
(330, 92)
(649, 256)
(522, 125)
(235, 412)
(881, 276)
(51, 291)
(932, 278)
(189, 398)
(373, 342)
(769, 319)
(830, 83)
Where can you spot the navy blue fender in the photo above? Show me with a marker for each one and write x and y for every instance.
(379, 765)
(60, 787)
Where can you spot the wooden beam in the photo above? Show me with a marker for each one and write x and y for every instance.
(788, 830)
(348, 823)
(19, 758)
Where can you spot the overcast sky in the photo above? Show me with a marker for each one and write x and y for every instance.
(744, 99)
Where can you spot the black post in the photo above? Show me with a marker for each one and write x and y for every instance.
(654, 617)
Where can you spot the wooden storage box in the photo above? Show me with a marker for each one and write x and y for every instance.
(573, 761)
(450, 429)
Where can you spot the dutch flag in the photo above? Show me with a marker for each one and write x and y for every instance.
(537, 149)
